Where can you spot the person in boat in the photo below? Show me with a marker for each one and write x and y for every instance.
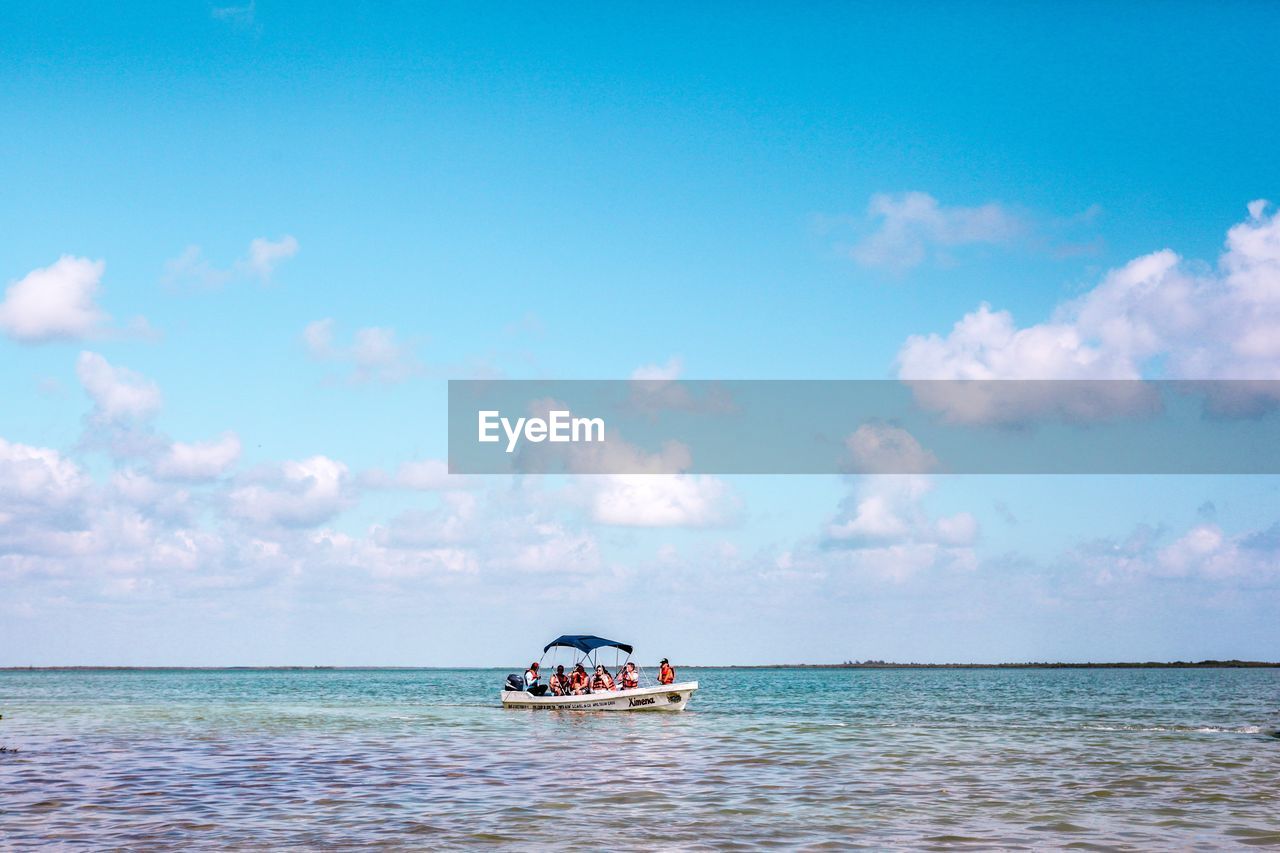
(579, 683)
(628, 678)
(560, 682)
(602, 681)
(666, 675)
(531, 678)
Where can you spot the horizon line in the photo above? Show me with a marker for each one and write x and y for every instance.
(1208, 663)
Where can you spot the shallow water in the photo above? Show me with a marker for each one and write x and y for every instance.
(811, 758)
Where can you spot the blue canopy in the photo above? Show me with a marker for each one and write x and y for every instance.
(585, 643)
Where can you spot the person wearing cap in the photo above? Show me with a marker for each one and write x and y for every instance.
(666, 675)
(579, 683)
(531, 678)
(560, 682)
(602, 680)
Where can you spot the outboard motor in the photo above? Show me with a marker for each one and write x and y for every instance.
(515, 682)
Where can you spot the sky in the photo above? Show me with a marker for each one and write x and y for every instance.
(243, 248)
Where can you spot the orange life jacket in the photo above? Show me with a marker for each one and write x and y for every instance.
(578, 680)
(667, 675)
(602, 682)
(629, 679)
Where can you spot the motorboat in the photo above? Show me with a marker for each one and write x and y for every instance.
(586, 651)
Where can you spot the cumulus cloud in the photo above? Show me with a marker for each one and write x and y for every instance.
(427, 474)
(56, 302)
(886, 449)
(503, 533)
(37, 477)
(300, 493)
(889, 507)
(384, 561)
(668, 372)
(680, 500)
(883, 531)
(986, 344)
(124, 402)
(138, 537)
(1204, 553)
(56, 523)
(423, 475)
(375, 354)
(318, 338)
(199, 460)
(912, 227)
(191, 269)
(656, 491)
(1158, 312)
(118, 393)
(265, 255)
(1203, 323)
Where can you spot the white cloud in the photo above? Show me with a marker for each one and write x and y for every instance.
(986, 344)
(874, 517)
(903, 561)
(318, 337)
(191, 269)
(885, 449)
(655, 388)
(378, 356)
(200, 460)
(958, 529)
(56, 523)
(37, 476)
(135, 487)
(1219, 323)
(655, 491)
(239, 16)
(1204, 553)
(880, 507)
(660, 372)
(64, 537)
(54, 302)
(500, 531)
(389, 563)
(265, 255)
(423, 475)
(427, 474)
(883, 531)
(118, 394)
(914, 225)
(1156, 313)
(298, 494)
(375, 353)
(1197, 550)
(680, 500)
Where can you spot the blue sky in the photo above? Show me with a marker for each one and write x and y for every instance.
(721, 192)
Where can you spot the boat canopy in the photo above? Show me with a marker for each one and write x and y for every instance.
(585, 643)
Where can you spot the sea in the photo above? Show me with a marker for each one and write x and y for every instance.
(807, 758)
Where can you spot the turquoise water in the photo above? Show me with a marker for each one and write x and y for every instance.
(1132, 759)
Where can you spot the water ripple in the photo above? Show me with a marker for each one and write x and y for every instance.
(797, 759)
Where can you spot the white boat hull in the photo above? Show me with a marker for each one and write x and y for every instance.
(663, 697)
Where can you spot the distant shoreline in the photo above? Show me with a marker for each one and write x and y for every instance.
(1204, 664)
